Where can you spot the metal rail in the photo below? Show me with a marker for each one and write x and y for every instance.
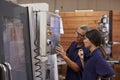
(4, 70)
(9, 70)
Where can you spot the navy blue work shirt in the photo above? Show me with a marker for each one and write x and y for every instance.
(97, 66)
(72, 53)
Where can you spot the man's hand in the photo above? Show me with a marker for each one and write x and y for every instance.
(70, 63)
(60, 50)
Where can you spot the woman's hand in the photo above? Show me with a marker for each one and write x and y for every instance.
(81, 54)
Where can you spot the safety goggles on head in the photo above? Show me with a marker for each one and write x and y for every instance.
(79, 34)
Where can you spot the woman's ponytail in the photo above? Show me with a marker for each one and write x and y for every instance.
(103, 51)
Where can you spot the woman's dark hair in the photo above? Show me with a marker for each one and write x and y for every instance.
(95, 37)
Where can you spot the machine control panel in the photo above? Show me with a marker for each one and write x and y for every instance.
(53, 33)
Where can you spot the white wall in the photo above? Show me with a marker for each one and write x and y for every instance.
(71, 5)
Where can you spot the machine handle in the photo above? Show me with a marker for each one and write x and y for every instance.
(9, 70)
(114, 61)
(4, 70)
(113, 42)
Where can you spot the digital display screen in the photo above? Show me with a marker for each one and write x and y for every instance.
(55, 25)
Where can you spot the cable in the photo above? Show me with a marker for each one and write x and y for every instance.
(37, 50)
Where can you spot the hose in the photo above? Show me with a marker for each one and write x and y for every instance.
(37, 49)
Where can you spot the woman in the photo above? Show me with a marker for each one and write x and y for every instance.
(96, 65)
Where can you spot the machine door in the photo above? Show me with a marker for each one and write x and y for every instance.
(15, 58)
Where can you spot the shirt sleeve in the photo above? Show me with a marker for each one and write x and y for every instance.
(72, 53)
(72, 45)
(103, 68)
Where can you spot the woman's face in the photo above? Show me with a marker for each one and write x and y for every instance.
(87, 42)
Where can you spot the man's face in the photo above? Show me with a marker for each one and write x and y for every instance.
(80, 35)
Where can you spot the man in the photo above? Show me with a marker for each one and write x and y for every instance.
(74, 65)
